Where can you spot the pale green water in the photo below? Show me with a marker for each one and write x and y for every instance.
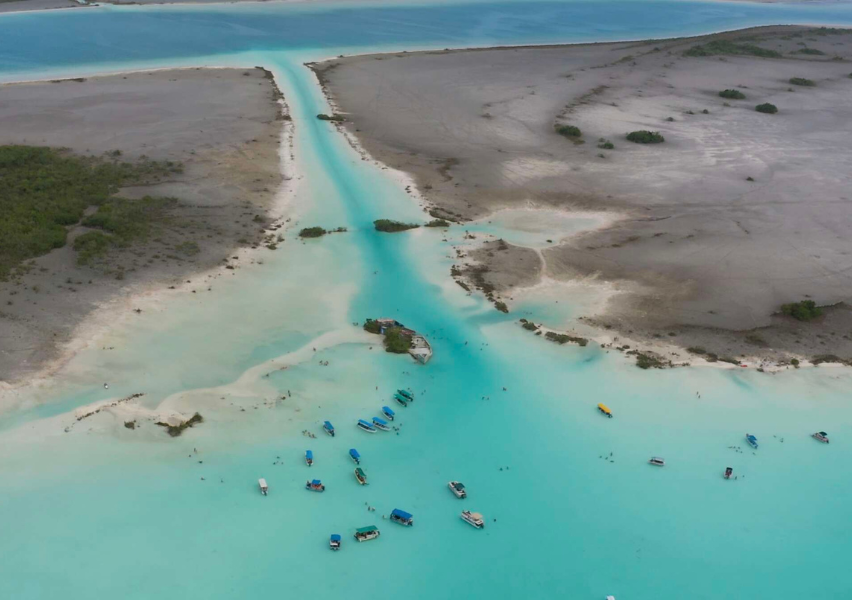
(126, 514)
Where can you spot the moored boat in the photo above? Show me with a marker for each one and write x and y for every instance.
(363, 534)
(473, 518)
(605, 410)
(387, 412)
(356, 457)
(380, 424)
(657, 461)
(315, 485)
(457, 488)
(264, 489)
(334, 541)
(309, 457)
(820, 436)
(401, 399)
(752, 440)
(360, 475)
(362, 424)
(402, 517)
(728, 472)
(329, 428)
(407, 394)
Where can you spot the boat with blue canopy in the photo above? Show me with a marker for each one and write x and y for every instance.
(315, 486)
(752, 440)
(407, 394)
(402, 517)
(380, 424)
(329, 428)
(334, 541)
(401, 399)
(360, 475)
(387, 412)
(366, 426)
(309, 457)
(355, 456)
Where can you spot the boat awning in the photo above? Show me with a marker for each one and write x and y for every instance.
(353, 452)
(388, 410)
(476, 516)
(262, 483)
(368, 529)
(309, 454)
(605, 408)
(316, 482)
(335, 537)
(367, 423)
(328, 425)
(379, 421)
(824, 434)
(402, 514)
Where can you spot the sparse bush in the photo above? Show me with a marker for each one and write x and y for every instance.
(732, 95)
(802, 81)
(717, 47)
(569, 131)
(312, 232)
(645, 137)
(606, 145)
(501, 306)
(810, 52)
(390, 226)
(335, 118)
(806, 310)
(766, 107)
(438, 223)
(372, 326)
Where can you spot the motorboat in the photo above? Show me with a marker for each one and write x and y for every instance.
(473, 518)
(728, 472)
(388, 413)
(457, 488)
(366, 426)
(401, 399)
(820, 436)
(402, 517)
(328, 428)
(380, 424)
(356, 457)
(657, 461)
(605, 410)
(752, 440)
(364, 534)
(406, 394)
(309, 457)
(315, 485)
(264, 489)
(334, 541)
(360, 475)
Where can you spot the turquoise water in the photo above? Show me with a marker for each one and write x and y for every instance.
(104, 512)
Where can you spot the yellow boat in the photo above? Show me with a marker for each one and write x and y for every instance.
(605, 410)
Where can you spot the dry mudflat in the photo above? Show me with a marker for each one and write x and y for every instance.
(224, 126)
(708, 233)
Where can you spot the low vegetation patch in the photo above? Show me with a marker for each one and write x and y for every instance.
(806, 310)
(810, 52)
(718, 47)
(176, 430)
(389, 226)
(529, 325)
(605, 144)
(335, 118)
(569, 131)
(645, 137)
(396, 341)
(438, 223)
(802, 81)
(372, 326)
(501, 306)
(648, 361)
(43, 191)
(767, 108)
(732, 95)
(312, 232)
(564, 338)
(828, 358)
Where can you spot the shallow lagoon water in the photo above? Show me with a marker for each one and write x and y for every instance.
(114, 513)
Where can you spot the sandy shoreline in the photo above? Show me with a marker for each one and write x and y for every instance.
(489, 144)
(231, 198)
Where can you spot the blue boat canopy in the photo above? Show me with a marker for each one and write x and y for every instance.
(309, 454)
(387, 410)
(354, 453)
(335, 537)
(316, 482)
(402, 514)
(328, 425)
(367, 423)
(379, 421)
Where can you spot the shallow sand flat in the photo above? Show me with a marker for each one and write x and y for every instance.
(701, 249)
(222, 124)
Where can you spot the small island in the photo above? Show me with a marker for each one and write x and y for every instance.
(398, 339)
(390, 226)
(315, 232)
(335, 118)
